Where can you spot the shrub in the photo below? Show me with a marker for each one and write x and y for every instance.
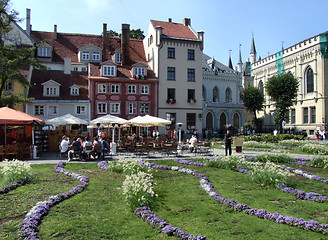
(138, 189)
(15, 170)
(276, 158)
(291, 143)
(255, 144)
(314, 149)
(128, 167)
(319, 162)
(230, 163)
(272, 138)
(269, 175)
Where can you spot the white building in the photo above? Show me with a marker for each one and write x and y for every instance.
(174, 52)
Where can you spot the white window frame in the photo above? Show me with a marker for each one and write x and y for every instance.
(51, 91)
(144, 108)
(108, 71)
(144, 89)
(85, 55)
(115, 108)
(132, 89)
(75, 91)
(139, 71)
(38, 110)
(81, 110)
(102, 88)
(118, 58)
(96, 56)
(131, 108)
(102, 106)
(52, 110)
(115, 88)
(44, 51)
(9, 86)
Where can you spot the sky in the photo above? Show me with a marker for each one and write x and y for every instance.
(228, 24)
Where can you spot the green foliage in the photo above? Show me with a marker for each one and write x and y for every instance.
(275, 158)
(282, 89)
(14, 170)
(314, 149)
(134, 33)
(253, 100)
(230, 163)
(319, 162)
(272, 138)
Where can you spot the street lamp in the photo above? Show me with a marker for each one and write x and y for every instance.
(113, 144)
(179, 147)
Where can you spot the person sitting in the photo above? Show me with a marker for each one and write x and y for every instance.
(97, 149)
(192, 143)
(87, 148)
(75, 149)
(64, 145)
(105, 147)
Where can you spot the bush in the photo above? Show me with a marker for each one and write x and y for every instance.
(272, 138)
(314, 149)
(269, 175)
(230, 163)
(319, 162)
(275, 158)
(128, 167)
(255, 144)
(15, 170)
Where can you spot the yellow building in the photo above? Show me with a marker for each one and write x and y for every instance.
(308, 61)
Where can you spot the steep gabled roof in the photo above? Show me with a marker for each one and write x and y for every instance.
(175, 30)
(65, 80)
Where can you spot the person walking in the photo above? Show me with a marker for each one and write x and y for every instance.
(227, 141)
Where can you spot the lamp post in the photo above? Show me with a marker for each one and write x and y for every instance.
(113, 144)
(179, 147)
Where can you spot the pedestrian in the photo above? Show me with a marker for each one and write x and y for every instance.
(275, 132)
(227, 141)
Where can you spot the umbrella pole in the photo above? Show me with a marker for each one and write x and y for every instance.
(5, 134)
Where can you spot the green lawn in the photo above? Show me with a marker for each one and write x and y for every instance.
(99, 212)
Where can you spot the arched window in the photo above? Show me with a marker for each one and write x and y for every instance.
(261, 87)
(228, 95)
(236, 120)
(309, 80)
(204, 93)
(209, 120)
(223, 120)
(215, 94)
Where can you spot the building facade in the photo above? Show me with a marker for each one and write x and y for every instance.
(174, 52)
(307, 61)
(222, 102)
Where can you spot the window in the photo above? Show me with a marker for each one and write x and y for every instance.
(144, 89)
(102, 88)
(108, 71)
(96, 56)
(191, 74)
(132, 89)
(228, 95)
(44, 52)
(51, 91)
(39, 110)
(191, 94)
(140, 71)
(215, 94)
(85, 55)
(171, 117)
(171, 93)
(9, 86)
(171, 73)
(101, 108)
(292, 116)
(309, 80)
(144, 108)
(191, 54)
(74, 91)
(52, 110)
(261, 87)
(131, 108)
(117, 58)
(171, 53)
(115, 108)
(115, 88)
(305, 115)
(191, 121)
(150, 40)
(80, 110)
(312, 115)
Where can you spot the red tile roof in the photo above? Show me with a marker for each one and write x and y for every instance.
(175, 30)
(66, 81)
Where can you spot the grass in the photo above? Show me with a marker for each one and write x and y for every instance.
(100, 212)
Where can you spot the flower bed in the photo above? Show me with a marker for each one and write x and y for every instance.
(29, 226)
(13, 185)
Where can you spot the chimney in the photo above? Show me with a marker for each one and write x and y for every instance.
(105, 40)
(67, 65)
(201, 38)
(28, 21)
(125, 42)
(159, 31)
(187, 22)
(170, 20)
(55, 32)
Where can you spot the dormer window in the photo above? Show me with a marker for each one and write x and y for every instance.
(108, 71)
(51, 89)
(44, 52)
(85, 55)
(96, 56)
(118, 58)
(139, 71)
(75, 90)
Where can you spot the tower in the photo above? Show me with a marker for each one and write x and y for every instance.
(253, 51)
(240, 61)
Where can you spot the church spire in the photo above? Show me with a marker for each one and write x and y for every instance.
(240, 61)
(253, 50)
(230, 61)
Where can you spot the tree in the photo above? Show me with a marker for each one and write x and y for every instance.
(134, 33)
(13, 57)
(253, 101)
(282, 89)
